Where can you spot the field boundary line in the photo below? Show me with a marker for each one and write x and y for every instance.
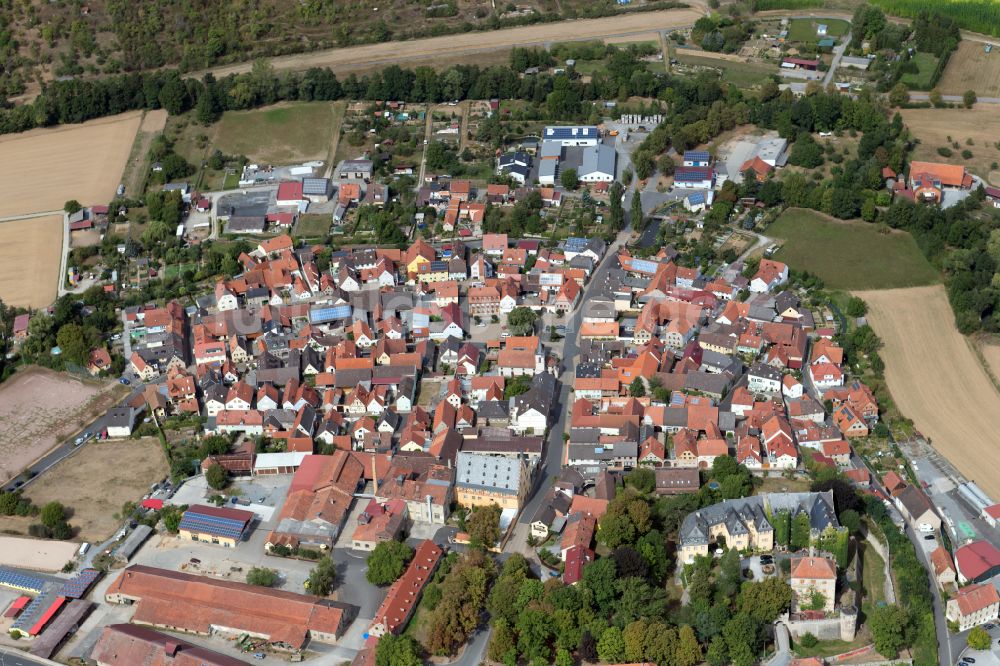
(982, 361)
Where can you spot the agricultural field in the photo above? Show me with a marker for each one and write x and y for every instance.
(282, 134)
(921, 80)
(30, 255)
(94, 483)
(39, 408)
(971, 68)
(943, 128)
(803, 30)
(954, 404)
(43, 168)
(134, 175)
(849, 255)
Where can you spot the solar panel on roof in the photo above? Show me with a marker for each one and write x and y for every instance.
(78, 586)
(644, 266)
(21, 581)
(319, 315)
(214, 525)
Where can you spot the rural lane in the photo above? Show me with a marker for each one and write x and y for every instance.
(360, 57)
(923, 97)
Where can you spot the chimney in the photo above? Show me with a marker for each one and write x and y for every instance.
(171, 648)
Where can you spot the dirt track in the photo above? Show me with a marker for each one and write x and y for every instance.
(937, 380)
(353, 58)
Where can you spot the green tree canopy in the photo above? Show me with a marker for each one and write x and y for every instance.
(216, 476)
(888, 627)
(323, 577)
(387, 562)
(262, 576)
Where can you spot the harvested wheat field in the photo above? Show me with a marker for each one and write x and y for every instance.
(971, 68)
(38, 408)
(43, 168)
(30, 253)
(937, 380)
(943, 128)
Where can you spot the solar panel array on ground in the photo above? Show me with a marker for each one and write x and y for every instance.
(214, 525)
(77, 587)
(21, 581)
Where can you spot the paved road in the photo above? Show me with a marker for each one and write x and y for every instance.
(12, 657)
(783, 656)
(570, 350)
(923, 97)
(838, 53)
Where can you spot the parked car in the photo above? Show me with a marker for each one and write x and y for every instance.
(125, 381)
(79, 440)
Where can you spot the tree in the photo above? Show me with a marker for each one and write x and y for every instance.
(782, 527)
(635, 215)
(52, 514)
(501, 641)
(569, 179)
(979, 639)
(899, 95)
(72, 341)
(611, 647)
(969, 98)
(856, 307)
(629, 563)
(806, 152)
(935, 97)
(521, 321)
(8, 503)
(262, 576)
(171, 516)
(72, 206)
(397, 651)
(765, 600)
(888, 626)
(599, 577)
(387, 562)
(216, 476)
(851, 520)
(642, 479)
(484, 526)
(688, 649)
(800, 531)
(637, 389)
(322, 578)
(742, 636)
(817, 601)
(634, 639)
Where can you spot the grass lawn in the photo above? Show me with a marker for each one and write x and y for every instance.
(281, 134)
(926, 63)
(830, 648)
(873, 578)
(804, 29)
(850, 255)
(782, 485)
(174, 270)
(231, 182)
(740, 74)
(313, 226)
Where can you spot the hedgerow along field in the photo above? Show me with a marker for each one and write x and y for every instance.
(849, 255)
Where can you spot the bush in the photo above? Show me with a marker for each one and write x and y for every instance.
(262, 576)
(967, 154)
(808, 640)
(944, 152)
(979, 639)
